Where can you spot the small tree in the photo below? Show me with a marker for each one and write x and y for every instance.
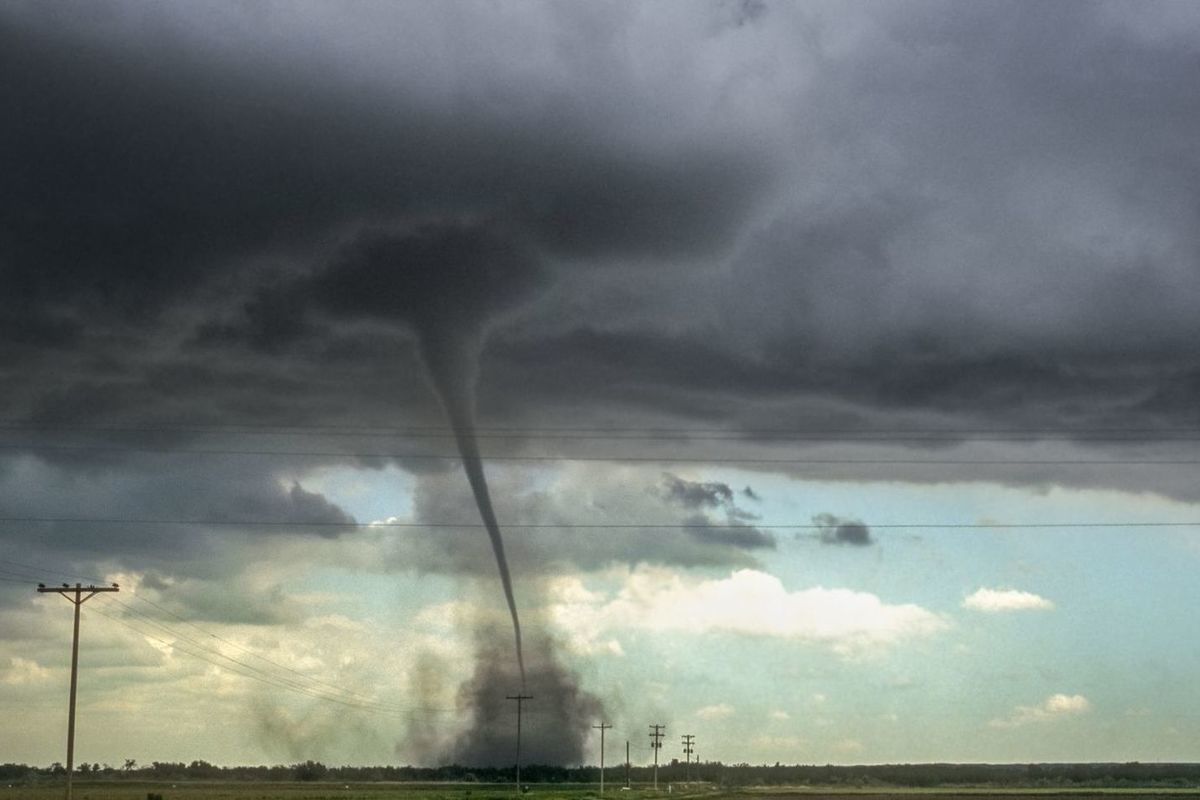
(310, 771)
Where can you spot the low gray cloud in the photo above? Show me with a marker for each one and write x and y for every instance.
(842, 531)
(197, 524)
(742, 536)
(708, 496)
(696, 494)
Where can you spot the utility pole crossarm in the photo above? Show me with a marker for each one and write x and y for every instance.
(77, 590)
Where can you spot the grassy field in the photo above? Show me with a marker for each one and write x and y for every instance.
(137, 790)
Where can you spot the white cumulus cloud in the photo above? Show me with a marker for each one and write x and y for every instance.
(748, 602)
(1056, 706)
(996, 600)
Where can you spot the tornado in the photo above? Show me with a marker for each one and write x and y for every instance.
(452, 367)
(448, 282)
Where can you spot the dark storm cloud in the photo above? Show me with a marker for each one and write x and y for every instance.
(695, 494)
(308, 508)
(181, 165)
(745, 216)
(174, 164)
(745, 537)
(450, 276)
(839, 531)
(173, 488)
(705, 496)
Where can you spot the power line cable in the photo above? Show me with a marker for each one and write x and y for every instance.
(31, 577)
(197, 649)
(39, 573)
(588, 526)
(749, 460)
(146, 619)
(261, 678)
(599, 431)
(281, 679)
(15, 574)
(246, 650)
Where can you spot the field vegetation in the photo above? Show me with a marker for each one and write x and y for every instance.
(312, 780)
(243, 790)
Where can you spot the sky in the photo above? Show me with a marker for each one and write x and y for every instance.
(829, 367)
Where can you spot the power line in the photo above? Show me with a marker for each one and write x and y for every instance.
(307, 683)
(175, 645)
(37, 573)
(436, 431)
(250, 652)
(17, 575)
(241, 669)
(639, 459)
(516, 526)
(313, 688)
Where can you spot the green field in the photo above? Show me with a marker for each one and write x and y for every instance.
(138, 790)
(203, 790)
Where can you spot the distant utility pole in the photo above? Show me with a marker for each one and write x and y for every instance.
(656, 734)
(626, 763)
(520, 698)
(78, 599)
(603, 727)
(687, 752)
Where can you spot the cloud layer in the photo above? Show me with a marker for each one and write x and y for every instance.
(809, 216)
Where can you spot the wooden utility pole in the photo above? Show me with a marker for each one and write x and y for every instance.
(520, 698)
(626, 763)
(603, 727)
(656, 734)
(76, 594)
(687, 752)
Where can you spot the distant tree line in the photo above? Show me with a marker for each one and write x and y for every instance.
(1131, 775)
